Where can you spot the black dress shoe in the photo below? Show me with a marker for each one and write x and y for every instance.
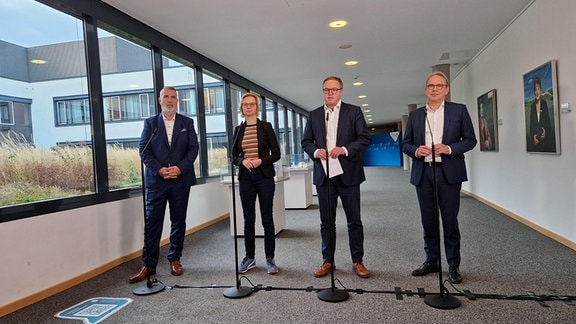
(425, 268)
(454, 275)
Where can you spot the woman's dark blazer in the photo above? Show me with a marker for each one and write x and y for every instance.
(268, 148)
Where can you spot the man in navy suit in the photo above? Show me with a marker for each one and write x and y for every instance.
(446, 128)
(168, 148)
(337, 133)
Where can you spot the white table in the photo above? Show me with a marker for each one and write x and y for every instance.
(298, 192)
(279, 213)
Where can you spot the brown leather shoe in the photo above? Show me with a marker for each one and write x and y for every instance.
(142, 274)
(360, 270)
(176, 268)
(324, 269)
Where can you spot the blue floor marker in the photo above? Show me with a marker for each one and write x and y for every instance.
(94, 310)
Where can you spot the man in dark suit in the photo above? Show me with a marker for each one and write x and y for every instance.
(168, 148)
(446, 128)
(337, 133)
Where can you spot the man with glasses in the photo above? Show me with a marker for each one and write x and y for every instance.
(446, 128)
(336, 135)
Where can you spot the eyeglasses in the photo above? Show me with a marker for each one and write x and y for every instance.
(438, 86)
(248, 104)
(333, 90)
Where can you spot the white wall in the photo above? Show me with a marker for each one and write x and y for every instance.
(537, 187)
(41, 252)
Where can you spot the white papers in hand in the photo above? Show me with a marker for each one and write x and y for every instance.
(335, 167)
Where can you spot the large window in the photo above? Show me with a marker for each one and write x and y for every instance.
(126, 64)
(38, 65)
(236, 96)
(216, 139)
(69, 138)
(281, 132)
(290, 150)
(179, 73)
(270, 108)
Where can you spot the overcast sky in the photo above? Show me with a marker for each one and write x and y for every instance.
(29, 23)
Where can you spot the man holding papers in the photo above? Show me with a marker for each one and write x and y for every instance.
(337, 133)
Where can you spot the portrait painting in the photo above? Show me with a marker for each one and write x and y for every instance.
(541, 110)
(488, 122)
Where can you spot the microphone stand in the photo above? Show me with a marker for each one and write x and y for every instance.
(151, 287)
(331, 294)
(440, 300)
(238, 291)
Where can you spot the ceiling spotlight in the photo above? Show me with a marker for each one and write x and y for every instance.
(362, 96)
(338, 23)
(350, 63)
(367, 110)
(365, 105)
(358, 83)
(37, 61)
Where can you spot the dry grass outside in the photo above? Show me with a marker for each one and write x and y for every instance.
(29, 174)
(218, 158)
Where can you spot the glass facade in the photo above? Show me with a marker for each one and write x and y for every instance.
(71, 118)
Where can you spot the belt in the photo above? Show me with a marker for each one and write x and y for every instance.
(432, 163)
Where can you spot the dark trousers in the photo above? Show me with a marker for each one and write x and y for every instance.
(449, 203)
(350, 197)
(156, 200)
(254, 184)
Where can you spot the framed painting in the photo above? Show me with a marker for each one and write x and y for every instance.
(541, 109)
(488, 121)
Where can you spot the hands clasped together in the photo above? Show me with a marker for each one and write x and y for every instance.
(439, 149)
(252, 164)
(171, 172)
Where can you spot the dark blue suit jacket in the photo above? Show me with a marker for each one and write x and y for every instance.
(158, 153)
(352, 133)
(458, 133)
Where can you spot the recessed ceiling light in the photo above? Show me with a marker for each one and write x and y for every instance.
(349, 63)
(365, 105)
(358, 83)
(37, 61)
(367, 110)
(338, 23)
(362, 96)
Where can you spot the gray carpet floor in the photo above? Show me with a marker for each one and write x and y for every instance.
(503, 261)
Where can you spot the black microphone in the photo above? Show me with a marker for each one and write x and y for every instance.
(150, 139)
(429, 128)
(431, 136)
(235, 139)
